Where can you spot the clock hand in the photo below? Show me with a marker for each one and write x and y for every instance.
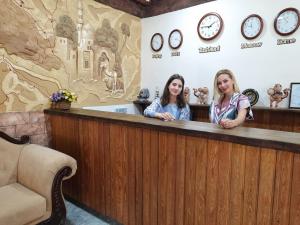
(205, 26)
(212, 24)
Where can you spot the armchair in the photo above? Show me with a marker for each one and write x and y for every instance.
(30, 182)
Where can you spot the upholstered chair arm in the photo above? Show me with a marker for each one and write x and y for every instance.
(38, 167)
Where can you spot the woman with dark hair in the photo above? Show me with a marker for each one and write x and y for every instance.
(171, 106)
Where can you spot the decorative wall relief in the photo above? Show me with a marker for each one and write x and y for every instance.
(84, 46)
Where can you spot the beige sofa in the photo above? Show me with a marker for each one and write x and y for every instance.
(30, 182)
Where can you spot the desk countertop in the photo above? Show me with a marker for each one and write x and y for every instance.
(288, 141)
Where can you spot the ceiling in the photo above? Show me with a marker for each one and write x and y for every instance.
(148, 8)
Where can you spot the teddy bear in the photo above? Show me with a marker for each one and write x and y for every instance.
(201, 94)
(277, 95)
(186, 93)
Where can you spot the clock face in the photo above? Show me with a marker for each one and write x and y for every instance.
(175, 39)
(210, 26)
(157, 42)
(287, 21)
(252, 26)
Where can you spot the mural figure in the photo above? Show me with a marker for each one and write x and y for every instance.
(110, 77)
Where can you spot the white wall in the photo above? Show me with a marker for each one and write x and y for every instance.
(258, 68)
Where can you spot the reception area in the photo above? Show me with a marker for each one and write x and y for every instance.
(77, 77)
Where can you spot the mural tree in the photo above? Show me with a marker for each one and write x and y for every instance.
(126, 32)
(106, 36)
(66, 28)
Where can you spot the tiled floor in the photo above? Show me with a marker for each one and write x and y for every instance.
(77, 216)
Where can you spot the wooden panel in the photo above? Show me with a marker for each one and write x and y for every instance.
(252, 167)
(261, 120)
(162, 179)
(282, 192)
(146, 176)
(107, 169)
(119, 171)
(189, 194)
(150, 174)
(67, 141)
(296, 123)
(166, 179)
(153, 178)
(266, 187)
(212, 182)
(87, 166)
(179, 186)
(200, 181)
(99, 162)
(224, 183)
(237, 184)
(284, 121)
(295, 197)
(134, 143)
(171, 182)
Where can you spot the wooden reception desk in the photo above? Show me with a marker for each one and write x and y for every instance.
(142, 171)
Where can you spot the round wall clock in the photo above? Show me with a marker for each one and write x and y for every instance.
(157, 42)
(175, 39)
(210, 26)
(287, 21)
(252, 26)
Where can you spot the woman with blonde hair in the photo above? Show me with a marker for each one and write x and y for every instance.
(229, 107)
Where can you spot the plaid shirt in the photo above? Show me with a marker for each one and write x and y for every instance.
(178, 113)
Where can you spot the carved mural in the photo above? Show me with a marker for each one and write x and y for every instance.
(80, 45)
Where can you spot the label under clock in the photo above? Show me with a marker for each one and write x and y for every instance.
(156, 56)
(286, 41)
(175, 53)
(251, 45)
(210, 49)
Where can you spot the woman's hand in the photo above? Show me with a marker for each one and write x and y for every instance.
(227, 123)
(166, 116)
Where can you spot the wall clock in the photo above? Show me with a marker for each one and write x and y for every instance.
(157, 42)
(287, 21)
(252, 26)
(175, 39)
(210, 26)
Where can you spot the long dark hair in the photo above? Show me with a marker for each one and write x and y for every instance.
(165, 98)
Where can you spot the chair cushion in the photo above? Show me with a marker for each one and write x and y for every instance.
(20, 205)
(8, 161)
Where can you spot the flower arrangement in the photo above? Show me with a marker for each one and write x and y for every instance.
(62, 99)
(63, 95)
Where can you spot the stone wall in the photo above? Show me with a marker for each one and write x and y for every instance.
(32, 124)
